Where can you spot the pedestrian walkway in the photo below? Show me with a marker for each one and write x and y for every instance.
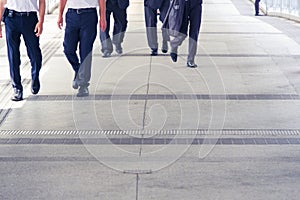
(154, 129)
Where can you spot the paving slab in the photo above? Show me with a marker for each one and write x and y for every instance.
(234, 172)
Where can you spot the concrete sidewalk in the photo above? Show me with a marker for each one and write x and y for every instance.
(154, 129)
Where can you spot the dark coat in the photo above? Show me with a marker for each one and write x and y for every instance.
(174, 17)
(155, 4)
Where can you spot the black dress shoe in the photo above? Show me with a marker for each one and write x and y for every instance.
(18, 95)
(83, 91)
(164, 47)
(173, 57)
(191, 64)
(154, 52)
(74, 83)
(35, 86)
(119, 49)
(106, 54)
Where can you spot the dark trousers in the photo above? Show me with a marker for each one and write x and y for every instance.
(190, 23)
(120, 25)
(15, 27)
(256, 6)
(151, 23)
(81, 29)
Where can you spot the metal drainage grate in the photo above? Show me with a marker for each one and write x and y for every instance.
(105, 97)
(194, 132)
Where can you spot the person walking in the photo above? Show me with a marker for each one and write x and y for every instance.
(81, 30)
(118, 9)
(151, 8)
(184, 17)
(256, 6)
(24, 18)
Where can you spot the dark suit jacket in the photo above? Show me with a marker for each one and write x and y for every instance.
(155, 4)
(195, 2)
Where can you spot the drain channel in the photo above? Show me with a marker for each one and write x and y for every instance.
(221, 97)
(137, 133)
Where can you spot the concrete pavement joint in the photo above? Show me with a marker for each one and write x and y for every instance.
(137, 173)
(48, 159)
(146, 102)
(137, 187)
(150, 141)
(147, 93)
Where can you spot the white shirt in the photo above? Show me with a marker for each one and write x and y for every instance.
(22, 5)
(82, 3)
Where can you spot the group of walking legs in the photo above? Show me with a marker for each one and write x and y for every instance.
(81, 21)
(180, 18)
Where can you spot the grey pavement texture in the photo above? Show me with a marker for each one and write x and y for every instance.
(154, 129)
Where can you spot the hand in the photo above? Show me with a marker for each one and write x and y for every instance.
(0, 31)
(60, 22)
(102, 23)
(38, 29)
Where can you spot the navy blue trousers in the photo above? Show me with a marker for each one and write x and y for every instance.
(81, 29)
(256, 6)
(120, 26)
(190, 25)
(15, 27)
(151, 24)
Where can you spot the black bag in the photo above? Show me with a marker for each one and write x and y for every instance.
(5, 13)
(173, 20)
